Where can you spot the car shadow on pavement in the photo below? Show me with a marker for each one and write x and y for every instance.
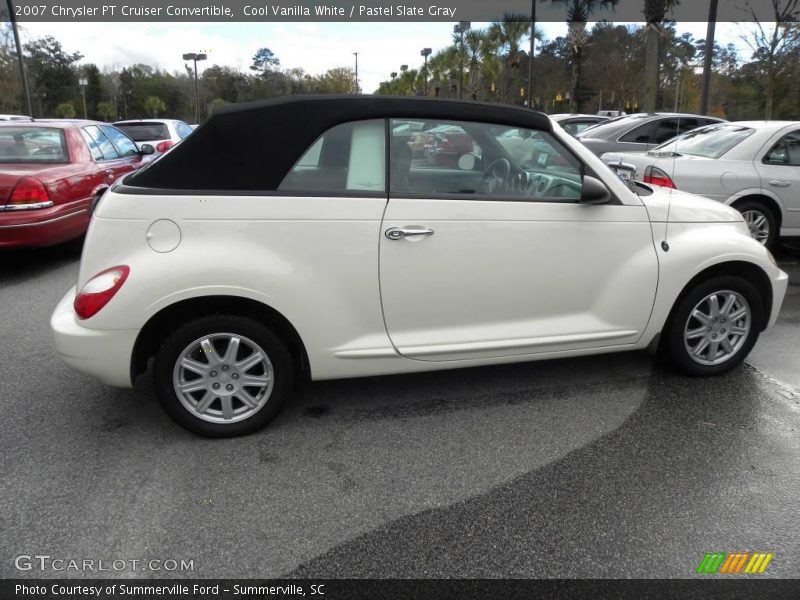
(702, 465)
(29, 263)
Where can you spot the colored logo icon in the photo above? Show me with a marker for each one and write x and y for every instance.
(734, 563)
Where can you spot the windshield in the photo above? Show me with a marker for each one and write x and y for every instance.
(32, 145)
(144, 132)
(711, 142)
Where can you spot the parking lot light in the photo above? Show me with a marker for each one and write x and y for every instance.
(196, 56)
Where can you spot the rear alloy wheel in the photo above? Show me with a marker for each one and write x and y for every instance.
(715, 326)
(760, 220)
(223, 376)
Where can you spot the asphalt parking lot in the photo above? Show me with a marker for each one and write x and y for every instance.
(608, 466)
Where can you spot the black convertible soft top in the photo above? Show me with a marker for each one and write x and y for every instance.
(252, 146)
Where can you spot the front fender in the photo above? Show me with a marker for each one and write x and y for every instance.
(694, 248)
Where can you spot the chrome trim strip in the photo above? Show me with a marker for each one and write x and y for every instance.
(47, 222)
(33, 206)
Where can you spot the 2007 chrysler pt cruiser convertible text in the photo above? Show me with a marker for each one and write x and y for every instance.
(298, 237)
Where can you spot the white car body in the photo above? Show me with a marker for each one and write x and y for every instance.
(739, 174)
(499, 282)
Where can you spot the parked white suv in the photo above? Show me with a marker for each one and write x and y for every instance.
(298, 237)
(161, 134)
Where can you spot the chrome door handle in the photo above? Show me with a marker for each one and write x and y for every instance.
(110, 172)
(779, 183)
(398, 233)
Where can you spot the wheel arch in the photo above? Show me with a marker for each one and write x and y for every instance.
(739, 268)
(169, 318)
(771, 203)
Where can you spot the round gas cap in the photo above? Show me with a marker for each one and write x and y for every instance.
(730, 181)
(164, 235)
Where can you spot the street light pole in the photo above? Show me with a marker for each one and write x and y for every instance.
(196, 56)
(530, 55)
(83, 82)
(426, 52)
(461, 29)
(712, 22)
(20, 59)
(358, 89)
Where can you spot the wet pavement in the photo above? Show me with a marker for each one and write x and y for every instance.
(609, 466)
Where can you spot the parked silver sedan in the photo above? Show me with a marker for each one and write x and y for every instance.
(640, 132)
(753, 166)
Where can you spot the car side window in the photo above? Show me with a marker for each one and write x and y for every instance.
(182, 129)
(454, 158)
(124, 145)
(91, 143)
(347, 157)
(103, 144)
(786, 151)
(642, 134)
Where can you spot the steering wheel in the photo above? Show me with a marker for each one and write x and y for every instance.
(495, 177)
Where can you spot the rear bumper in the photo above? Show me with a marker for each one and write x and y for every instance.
(105, 355)
(44, 227)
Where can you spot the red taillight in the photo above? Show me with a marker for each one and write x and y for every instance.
(99, 290)
(29, 193)
(163, 146)
(655, 176)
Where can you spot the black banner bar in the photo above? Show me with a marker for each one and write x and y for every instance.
(708, 588)
(366, 10)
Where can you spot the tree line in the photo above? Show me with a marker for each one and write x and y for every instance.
(60, 84)
(608, 66)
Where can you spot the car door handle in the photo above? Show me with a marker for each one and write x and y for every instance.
(398, 233)
(779, 183)
(110, 172)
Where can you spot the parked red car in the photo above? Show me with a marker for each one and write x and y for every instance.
(445, 144)
(52, 173)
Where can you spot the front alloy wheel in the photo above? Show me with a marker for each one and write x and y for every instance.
(223, 375)
(717, 327)
(714, 326)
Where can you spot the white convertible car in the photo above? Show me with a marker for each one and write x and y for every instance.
(246, 258)
(753, 166)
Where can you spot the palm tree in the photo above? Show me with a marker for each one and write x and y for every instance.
(443, 68)
(506, 36)
(478, 47)
(654, 13)
(578, 13)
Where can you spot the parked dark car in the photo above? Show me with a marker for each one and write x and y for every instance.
(640, 132)
(52, 173)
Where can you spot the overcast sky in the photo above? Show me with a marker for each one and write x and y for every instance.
(315, 47)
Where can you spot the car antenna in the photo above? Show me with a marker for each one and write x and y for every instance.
(664, 242)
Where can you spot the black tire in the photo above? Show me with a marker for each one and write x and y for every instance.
(675, 344)
(174, 346)
(757, 206)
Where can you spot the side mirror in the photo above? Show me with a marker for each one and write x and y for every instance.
(594, 191)
(146, 149)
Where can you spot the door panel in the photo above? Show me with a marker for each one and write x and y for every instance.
(500, 278)
(780, 173)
